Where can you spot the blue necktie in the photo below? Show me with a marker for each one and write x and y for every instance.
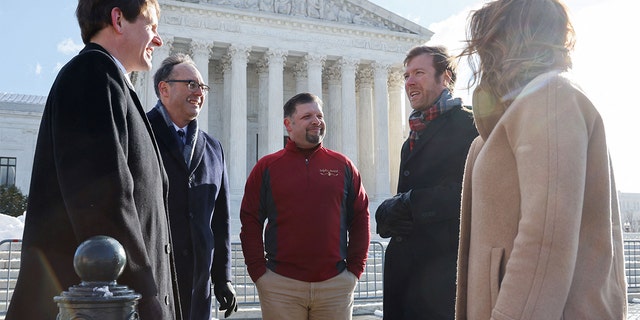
(181, 136)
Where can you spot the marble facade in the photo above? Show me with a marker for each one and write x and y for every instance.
(256, 54)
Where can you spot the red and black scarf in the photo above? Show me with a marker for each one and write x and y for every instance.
(418, 120)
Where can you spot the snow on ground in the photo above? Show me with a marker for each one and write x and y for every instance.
(11, 227)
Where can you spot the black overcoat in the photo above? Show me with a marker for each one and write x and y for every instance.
(96, 171)
(199, 213)
(420, 269)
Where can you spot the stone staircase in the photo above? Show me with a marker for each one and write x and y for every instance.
(9, 267)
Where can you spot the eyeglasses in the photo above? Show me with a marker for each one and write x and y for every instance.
(192, 85)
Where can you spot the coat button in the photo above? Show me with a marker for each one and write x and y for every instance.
(398, 238)
(166, 300)
(406, 173)
(167, 248)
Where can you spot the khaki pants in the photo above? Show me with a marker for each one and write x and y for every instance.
(283, 298)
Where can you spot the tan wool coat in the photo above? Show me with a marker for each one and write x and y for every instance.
(540, 226)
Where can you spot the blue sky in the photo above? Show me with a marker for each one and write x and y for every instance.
(39, 36)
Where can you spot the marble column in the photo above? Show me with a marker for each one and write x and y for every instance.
(366, 160)
(300, 76)
(216, 101)
(349, 135)
(315, 64)
(396, 121)
(159, 54)
(276, 59)
(201, 52)
(333, 109)
(262, 67)
(407, 113)
(237, 154)
(225, 65)
(381, 101)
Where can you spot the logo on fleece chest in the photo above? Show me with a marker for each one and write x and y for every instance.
(329, 172)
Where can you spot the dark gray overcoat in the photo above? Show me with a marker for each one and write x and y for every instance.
(199, 213)
(96, 171)
(420, 269)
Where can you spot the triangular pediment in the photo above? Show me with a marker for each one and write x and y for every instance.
(354, 12)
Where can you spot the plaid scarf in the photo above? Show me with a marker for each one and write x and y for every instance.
(418, 120)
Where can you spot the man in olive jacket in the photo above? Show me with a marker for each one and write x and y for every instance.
(423, 218)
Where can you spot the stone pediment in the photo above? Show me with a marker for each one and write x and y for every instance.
(355, 12)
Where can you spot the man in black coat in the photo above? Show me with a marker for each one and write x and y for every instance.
(97, 169)
(423, 218)
(198, 189)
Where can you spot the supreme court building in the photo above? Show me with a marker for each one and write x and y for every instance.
(255, 55)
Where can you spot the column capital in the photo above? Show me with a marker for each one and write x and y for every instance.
(313, 59)
(199, 46)
(396, 78)
(239, 51)
(364, 76)
(276, 55)
(300, 69)
(380, 67)
(262, 66)
(225, 63)
(333, 73)
(347, 63)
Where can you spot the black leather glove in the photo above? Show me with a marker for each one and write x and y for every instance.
(226, 296)
(393, 216)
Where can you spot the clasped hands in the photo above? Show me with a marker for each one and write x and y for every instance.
(393, 216)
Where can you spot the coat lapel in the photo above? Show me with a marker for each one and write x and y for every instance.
(166, 136)
(198, 152)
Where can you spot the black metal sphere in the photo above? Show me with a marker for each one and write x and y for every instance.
(99, 259)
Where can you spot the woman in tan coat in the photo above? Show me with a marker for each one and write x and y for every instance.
(540, 226)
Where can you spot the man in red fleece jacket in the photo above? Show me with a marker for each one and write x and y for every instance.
(316, 241)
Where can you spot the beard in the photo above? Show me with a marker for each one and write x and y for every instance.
(313, 138)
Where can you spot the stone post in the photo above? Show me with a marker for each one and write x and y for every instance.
(98, 261)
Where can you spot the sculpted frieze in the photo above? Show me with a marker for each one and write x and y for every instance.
(332, 10)
(228, 22)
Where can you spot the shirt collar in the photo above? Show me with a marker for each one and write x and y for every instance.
(167, 119)
(124, 71)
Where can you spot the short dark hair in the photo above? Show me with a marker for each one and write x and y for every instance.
(95, 15)
(442, 61)
(300, 98)
(166, 68)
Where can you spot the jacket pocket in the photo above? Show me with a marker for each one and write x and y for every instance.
(495, 274)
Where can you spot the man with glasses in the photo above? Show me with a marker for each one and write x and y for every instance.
(198, 189)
